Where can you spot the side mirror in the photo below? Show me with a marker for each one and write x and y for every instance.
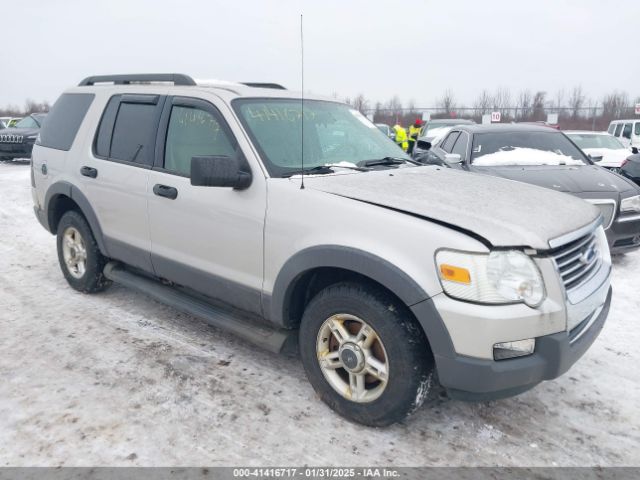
(595, 158)
(453, 158)
(218, 171)
(423, 144)
(634, 150)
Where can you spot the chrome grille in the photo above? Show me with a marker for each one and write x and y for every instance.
(578, 260)
(608, 210)
(9, 138)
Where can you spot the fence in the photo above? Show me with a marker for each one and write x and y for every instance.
(584, 118)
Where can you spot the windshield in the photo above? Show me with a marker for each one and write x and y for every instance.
(333, 133)
(27, 122)
(586, 140)
(524, 148)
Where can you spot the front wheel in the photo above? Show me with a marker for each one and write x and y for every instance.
(364, 354)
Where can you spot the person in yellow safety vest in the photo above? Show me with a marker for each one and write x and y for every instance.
(414, 131)
(401, 137)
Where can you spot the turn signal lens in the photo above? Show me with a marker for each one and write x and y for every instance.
(455, 274)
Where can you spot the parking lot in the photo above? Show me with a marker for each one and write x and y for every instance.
(118, 379)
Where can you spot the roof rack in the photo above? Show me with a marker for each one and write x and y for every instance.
(264, 85)
(176, 78)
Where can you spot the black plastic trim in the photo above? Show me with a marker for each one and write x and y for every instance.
(358, 261)
(126, 79)
(72, 192)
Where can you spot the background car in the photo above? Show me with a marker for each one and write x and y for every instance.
(18, 141)
(631, 168)
(432, 131)
(386, 129)
(604, 149)
(546, 157)
(627, 131)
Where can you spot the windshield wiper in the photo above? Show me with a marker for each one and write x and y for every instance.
(324, 169)
(319, 170)
(387, 161)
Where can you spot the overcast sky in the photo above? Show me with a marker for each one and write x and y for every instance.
(415, 49)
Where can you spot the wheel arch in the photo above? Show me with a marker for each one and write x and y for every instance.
(294, 281)
(62, 197)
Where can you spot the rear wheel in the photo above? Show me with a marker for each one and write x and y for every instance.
(78, 254)
(364, 354)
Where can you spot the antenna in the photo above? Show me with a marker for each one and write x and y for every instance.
(302, 103)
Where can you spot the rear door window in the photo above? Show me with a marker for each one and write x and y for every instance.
(64, 120)
(636, 130)
(460, 146)
(127, 130)
(133, 137)
(618, 130)
(448, 143)
(626, 132)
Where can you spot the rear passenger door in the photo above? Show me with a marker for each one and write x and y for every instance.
(209, 239)
(115, 177)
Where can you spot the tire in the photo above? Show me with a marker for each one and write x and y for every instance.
(399, 348)
(76, 246)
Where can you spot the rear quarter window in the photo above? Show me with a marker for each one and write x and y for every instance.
(62, 124)
(612, 127)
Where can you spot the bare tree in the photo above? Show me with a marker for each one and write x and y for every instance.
(394, 106)
(502, 100)
(361, 104)
(483, 103)
(538, 105)
(614, 105)
(560, 94)
(576, 101)
(31, 106)
(447, 102)
(523, 103)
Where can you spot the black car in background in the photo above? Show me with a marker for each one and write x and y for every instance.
(17, 141)
(631, 168)
(546, 157)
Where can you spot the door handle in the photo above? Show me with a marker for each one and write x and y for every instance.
(89, 172)
(165, 191)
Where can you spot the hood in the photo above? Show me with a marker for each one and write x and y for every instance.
(503, 212)
(611, 157)
(25, 132)
(563, 178)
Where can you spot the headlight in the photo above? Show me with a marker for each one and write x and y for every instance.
(631, 204)
(499, 277)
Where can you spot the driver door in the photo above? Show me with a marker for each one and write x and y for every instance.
(209, 239)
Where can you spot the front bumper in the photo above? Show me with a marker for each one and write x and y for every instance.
(624, 233)
(16, 150)
(480, 380)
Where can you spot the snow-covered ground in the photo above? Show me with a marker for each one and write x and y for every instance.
(119, 379)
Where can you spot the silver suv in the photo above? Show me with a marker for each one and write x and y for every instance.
(387, 277)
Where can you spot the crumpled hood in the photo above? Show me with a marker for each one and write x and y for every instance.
(503, 212)
(563, 178)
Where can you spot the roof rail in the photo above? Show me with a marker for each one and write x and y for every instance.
(176, 78)
(264, 85)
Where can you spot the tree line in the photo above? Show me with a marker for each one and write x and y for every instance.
(575, 109)
(30, 106)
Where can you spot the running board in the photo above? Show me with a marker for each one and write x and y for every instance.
(273, 339)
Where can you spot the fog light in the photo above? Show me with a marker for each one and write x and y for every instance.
(519, 348)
